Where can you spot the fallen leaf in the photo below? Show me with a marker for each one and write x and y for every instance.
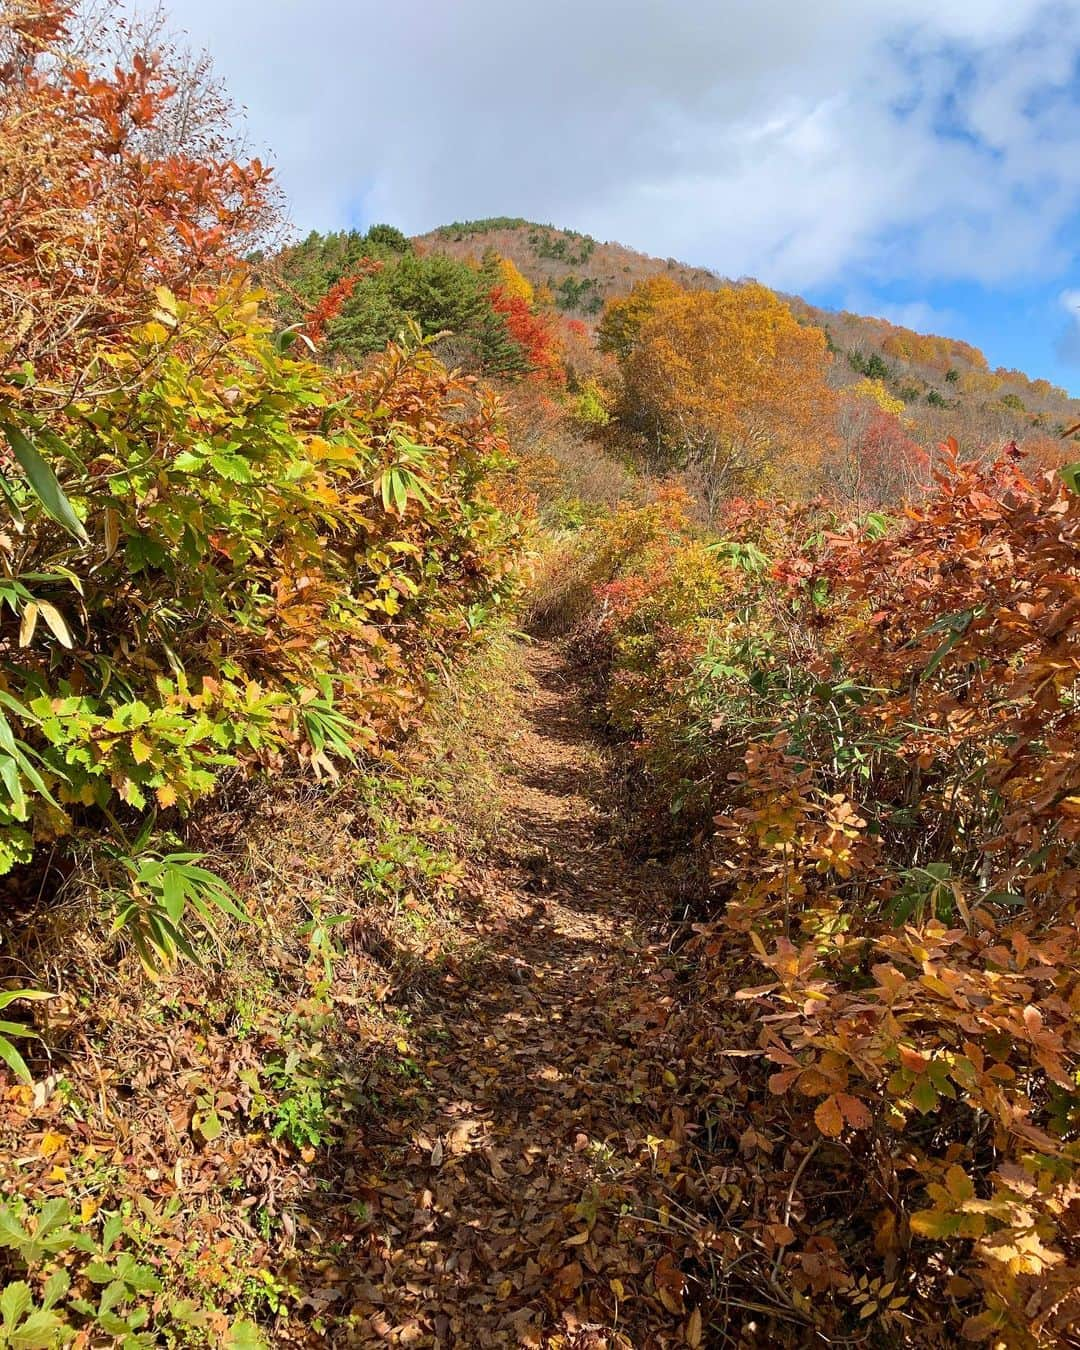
(568, 1280)
(829, 1117)
(51, 1142)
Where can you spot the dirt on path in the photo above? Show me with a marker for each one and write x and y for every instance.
(522, 1197)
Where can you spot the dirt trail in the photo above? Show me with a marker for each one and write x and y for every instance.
(519, 1203)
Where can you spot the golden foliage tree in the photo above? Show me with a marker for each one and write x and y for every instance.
(872, 391)
(730, 384)
(624, 317)
(513, 284)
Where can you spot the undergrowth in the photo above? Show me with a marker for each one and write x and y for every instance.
(867, 729)
(196, 1132)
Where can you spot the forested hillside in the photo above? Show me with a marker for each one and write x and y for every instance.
(946, 386)
(539, 788)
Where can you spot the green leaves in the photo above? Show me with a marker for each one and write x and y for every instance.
(8, 1053)
(244, 1335)
(96, 1291)
(400, 481)
(170, 896)
(955, 626)
(329, 731)
(746, 557)
(48, 1234)
(23, 1326)
(1070, 476)
(247, 602)
(44, 483)
(17, 767)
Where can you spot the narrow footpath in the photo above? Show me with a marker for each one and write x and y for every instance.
(529, 1201)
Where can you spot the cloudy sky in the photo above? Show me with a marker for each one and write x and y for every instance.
(918, 159)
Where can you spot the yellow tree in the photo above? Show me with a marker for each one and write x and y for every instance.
(731, 385)
(624, 318)
(513, 285)
(874, 391)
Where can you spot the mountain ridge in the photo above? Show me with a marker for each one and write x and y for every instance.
(946, 383)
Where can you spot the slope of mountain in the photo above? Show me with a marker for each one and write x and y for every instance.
(947, 385)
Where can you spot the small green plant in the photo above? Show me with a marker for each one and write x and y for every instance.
(37, 1237)
(925, 892)
(266, 1292)
(300, 1116)
(167, 898)
(116, 1302)
(123, 1282)
(319, 931)
(329, 732)
(298, 1096)
(747, 557)
(8, 1053)
(27, 1324)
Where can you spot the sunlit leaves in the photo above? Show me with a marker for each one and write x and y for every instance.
(274, 568)
(883, 719)
(727, 381)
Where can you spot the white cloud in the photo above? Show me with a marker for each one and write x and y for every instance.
(917, 314)
(1068, 341)
(801, 144)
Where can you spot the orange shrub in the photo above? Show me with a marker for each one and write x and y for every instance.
(900, 853)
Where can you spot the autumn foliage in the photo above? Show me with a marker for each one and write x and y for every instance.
(99, 209)
(851, 716)
(724, 383)
(223, 557)
(881, 717)
(533, 333)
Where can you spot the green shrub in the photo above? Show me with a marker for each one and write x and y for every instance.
(590, 407)
(90, 1290)
(873, 366)
(251, 560)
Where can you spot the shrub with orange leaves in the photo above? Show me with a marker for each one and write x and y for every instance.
(883, 718)
(103, 214)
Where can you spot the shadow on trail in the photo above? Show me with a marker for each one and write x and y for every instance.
(506, 1188)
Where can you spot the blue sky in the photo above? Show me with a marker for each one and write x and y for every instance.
(918, 159)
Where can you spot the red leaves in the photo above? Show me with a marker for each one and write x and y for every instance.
(329, 307)
(116, 191)
(533, 332)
